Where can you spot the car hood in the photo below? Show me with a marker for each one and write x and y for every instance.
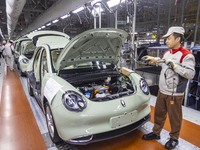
(93, 45)
(53, 39)
(22, 39)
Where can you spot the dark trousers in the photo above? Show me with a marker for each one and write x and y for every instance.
(163, 107)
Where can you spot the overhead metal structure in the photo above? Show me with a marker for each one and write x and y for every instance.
(60, 8)
(13, 10)
(19, 17)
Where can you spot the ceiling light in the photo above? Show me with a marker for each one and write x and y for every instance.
(39, 28)
(78, 10)
(48, 24)
(43, 27)
(95, 1)
(65, 16)
(113, 3)
(55, 21)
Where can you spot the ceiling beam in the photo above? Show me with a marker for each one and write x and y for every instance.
(58, 9)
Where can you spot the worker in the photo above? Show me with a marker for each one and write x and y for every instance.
(2, 48)
(8, 54)
(177, 69)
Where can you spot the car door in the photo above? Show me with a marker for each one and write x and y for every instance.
(43, 67)
(34, 74)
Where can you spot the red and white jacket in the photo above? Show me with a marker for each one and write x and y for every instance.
(175, 81)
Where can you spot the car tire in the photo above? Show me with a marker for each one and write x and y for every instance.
(51, 125)
(21, 73)
(30, 90)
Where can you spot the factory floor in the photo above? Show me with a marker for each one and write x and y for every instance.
(23, 126)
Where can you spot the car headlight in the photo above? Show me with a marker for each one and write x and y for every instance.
(144, 86)
(25, 60)
(73, 101)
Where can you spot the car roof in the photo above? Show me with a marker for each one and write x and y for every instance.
(54, 39)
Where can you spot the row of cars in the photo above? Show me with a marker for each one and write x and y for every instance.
(84, 95)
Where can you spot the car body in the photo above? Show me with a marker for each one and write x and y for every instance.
(84, 95)
(23, 48)
(28, 45)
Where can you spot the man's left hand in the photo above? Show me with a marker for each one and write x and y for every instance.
(171, 64)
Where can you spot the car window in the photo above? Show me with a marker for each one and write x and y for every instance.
(36, 66)
(29, 47)
(54, 55)
(44, 67)
(35, 63)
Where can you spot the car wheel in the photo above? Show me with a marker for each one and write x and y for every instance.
(51, 125)
(30, 90)
(21, 73)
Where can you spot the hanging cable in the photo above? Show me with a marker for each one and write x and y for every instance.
(79, 18)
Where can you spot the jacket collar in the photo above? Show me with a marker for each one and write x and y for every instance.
(173, 51)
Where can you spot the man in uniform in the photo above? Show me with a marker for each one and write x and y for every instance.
(8, 54)
(177, 69)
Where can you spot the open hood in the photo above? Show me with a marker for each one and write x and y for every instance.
(22, 39)
(102, 44)
(53, 39)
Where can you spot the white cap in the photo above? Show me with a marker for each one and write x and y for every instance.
(175, 29)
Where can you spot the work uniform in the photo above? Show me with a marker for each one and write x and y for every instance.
(9, 58)
(172, 85)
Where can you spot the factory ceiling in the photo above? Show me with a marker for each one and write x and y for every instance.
(19, 17)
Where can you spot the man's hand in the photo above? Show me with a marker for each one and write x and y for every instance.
(150, 59)
(171, 64)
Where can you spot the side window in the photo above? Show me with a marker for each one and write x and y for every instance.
(44, 67)
(36, 66)
(54, 56)
(19, 48)
(36, 63)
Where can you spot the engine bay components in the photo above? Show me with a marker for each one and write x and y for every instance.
(108, 89)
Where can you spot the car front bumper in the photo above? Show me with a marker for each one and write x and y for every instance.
(90, 125)
(110, 134)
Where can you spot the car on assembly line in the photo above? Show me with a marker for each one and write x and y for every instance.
(84, 95)
(28, 45)
(23, 48)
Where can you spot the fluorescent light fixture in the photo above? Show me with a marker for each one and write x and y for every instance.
(113, 3)
(48, 24)
(95, 1)
(39, 28)
(55, 21)
(43, 27)
(65, 16)
(78, 10)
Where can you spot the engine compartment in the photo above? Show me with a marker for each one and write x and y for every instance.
(102, 85)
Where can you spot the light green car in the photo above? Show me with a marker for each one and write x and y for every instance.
(84, 95)
(23, 48)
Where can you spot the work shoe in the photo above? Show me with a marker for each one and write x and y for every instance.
(171, 144)
(151, 136)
